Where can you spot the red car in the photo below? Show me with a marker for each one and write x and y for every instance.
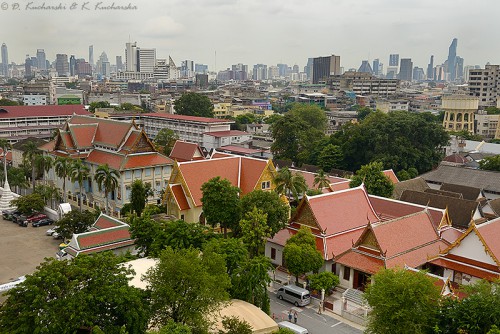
(34, 217)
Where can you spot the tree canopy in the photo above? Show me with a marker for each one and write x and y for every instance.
(221, 203)
(67, 296)
(323, 281)
(29, 203)
(290, 184)
(490, 163)
(300, 253)
(186, 287)
(194, 104)
(255, 231)
(75, 222)
(139, 194)
(402, 301)
(165, 140)
(375, 181)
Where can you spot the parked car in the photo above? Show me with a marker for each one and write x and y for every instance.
(43, 222)
(51, 231)
(7, 214)
(56, 235)
(15, 216)
(34, 217)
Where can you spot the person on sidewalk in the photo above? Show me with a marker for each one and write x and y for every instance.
(290, 315)
(320, 308)
(295, 316)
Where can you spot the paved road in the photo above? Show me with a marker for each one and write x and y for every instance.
(22, 249)
(308, 318)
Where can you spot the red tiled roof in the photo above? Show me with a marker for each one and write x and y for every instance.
(105, 221)
(184, 151)
(339, 243)
(342, 211)
(109, 132)
(251, 171)
(405, 233)
(391, 175)
(131, 140)
(282, 236)
(180, 197)
(309, 177)
(361, 262)
(99, 157)
(238, 149)
(145, 160)
(466, 269)
(416, 257)
(188, 118)
(490, 233)
(226, 133)
(218, 155)
(102, 237)
(83, 134)
(39, 111)
(342, 185)
(388, 208)
(450, 234)
(48, 147)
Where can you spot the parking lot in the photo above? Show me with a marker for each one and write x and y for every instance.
(22, 249)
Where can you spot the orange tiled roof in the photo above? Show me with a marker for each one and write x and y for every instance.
(82, 134)
(342, 185)
(466, 269)
(360, 261)
(450, 234)
(251, 171)
(145, 160)
(339, 243)
(180, 197)
(109, 132)
(105, 221)
(309, 177)
(391, 175)
(490, 233)
(416, 257)
(99, 157)
(134, 135)
(184, 151)
(341, 211)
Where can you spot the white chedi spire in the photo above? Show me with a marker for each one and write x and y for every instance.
(7, 195)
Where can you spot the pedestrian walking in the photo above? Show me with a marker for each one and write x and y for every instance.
(320, 308)
(295, 316)
(290, 315)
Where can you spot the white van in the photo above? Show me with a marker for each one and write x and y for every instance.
(294, 328)
(294, 294)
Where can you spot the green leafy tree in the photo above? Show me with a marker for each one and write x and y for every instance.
(165, 140)
(43, 164)
(75, 222)
(375, 181)
(68, 296)
(469, 314)
(187, 286)
(221, 203)
(194, 104)
(17, 178)
(233, 325)
(99, 104)
(232, 250)
(300, 253)
(62, 166)
(255, 231)
(363, 112)
(490, 163)
(178, 234)
(172, 327)
(29, 203)
(286, 131)
(330, 157)
(283, 331)
(49, 193)
(402, 301)
(79, 173)
(145, 231)
(323, 281)
(270, 203)
(139, 194)
(290, 184)
(30, 154)
(7, 102)
(250, 281)
(107, 180)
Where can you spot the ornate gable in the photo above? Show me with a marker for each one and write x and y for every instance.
(368, 239)
(142, 144)
(305, 216)
(267, 175)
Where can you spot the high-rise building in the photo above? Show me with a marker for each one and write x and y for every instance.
(91, 55)
(485, 84)
(41, 59)
(459, 68)
(430, 69)
(295, 68)
(365, 67)
(406, 69)
(72, 65)
(392, 72)
(103, 67)
(376, 64)
(259, 72)
(62, 65)
(187, 68)
(5, 61)
(452, 58)
(308, 69)
(282, 70)
(324, 67)
(131, 57)
(119, 64)
(418, 74)
(146, 60)
(27, 67)
(83, 68)
(239, 72)
(201, 68)
(394, 60)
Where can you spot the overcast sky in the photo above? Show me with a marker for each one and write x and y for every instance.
(259, 31)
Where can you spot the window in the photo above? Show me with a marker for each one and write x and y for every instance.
(137, 173)
(273, 253)
(334, 268)
(347, 273)
(157, 170)
(148, 171)
(128, 174)
(266, 185)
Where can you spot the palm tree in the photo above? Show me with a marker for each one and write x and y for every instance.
(107, 180)
(49, 193)
(62, 167)
(290, 184)
(30, 153)
(321, 180)
(17, 178)
(43, 163)
(79, 173)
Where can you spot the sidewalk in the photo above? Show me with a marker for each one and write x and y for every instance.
(281, 278)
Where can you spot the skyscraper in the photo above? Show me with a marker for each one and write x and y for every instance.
(131, 57)
(27, 67)
(72, 65)
(146, 60)
(376, 63)
(119, 63)
(459, 68)
(452, 60)
(41, 59)
(324, 67)
(5, 60)
(91, 55)
(103, 66)
(394, 60)
(430, 69)
(406, 69)
(62, 65)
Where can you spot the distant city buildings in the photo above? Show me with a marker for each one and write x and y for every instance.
(485, 85)
(5, 61)
(62, 65)
(406, 69)
(324, 67)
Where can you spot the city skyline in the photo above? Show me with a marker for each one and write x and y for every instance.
(254, 32)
